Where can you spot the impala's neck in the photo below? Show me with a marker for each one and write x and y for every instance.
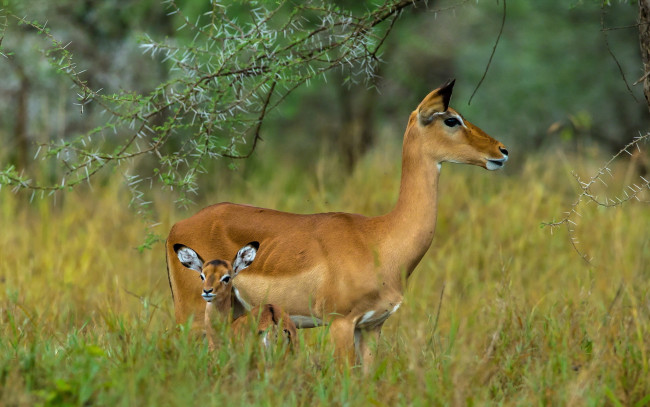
(222, 303)
(411, 224)
(216, 311)
(210, 320)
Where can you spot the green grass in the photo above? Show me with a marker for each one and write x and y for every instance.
(88, 320)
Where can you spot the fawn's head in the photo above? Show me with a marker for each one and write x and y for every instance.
(217, 274)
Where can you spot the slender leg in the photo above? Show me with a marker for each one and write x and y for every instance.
(210, 319)
(368, 339)
(342, 331)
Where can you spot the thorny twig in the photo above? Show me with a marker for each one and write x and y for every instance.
(630, 191)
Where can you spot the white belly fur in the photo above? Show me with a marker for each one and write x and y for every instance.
(373, 318)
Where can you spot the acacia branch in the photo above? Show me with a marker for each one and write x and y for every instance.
(260, 120)
(223, 84)
(632, 191)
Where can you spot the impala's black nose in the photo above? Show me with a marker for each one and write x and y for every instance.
(208, 291)
(503, 151)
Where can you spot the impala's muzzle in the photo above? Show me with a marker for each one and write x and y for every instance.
(208, 295)
(496, 163)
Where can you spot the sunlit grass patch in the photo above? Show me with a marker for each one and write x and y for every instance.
(498, 312)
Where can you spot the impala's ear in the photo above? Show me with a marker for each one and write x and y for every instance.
(188, 257)
(245, 257)
(435, 102)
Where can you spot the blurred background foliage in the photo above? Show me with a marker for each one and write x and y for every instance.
(553, 81)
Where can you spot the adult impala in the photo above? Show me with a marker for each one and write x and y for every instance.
(338, 268)
(217, 277)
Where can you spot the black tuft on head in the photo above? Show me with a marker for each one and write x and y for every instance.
(446, 90)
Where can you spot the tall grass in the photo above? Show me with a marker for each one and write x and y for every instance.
(498, 312)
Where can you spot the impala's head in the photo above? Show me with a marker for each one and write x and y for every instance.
(217, 275)
(447, 136)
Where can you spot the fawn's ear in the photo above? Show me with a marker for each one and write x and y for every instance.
(245, 257)
(435, 102)
(188, 257)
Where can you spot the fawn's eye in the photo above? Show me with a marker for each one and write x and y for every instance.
(202, 277)
(225, 279)
(452, 122)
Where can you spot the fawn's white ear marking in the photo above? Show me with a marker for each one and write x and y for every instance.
(189, 258)
(245, 257)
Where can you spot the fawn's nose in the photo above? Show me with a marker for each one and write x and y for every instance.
(208, 291)
(503, 151)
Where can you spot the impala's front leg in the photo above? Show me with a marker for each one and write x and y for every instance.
(342, 331)
(368, 341)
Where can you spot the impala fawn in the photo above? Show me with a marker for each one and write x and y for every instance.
(217, 276)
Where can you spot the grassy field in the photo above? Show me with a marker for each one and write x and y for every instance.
(499, 312)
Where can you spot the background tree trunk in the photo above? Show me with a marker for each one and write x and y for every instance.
(20, 156)
(644, 43)
(357, 132)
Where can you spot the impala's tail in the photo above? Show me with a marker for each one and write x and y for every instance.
(169, 279)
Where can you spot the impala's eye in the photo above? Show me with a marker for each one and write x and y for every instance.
(202, 277)
(225, 279)
(452, 122)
